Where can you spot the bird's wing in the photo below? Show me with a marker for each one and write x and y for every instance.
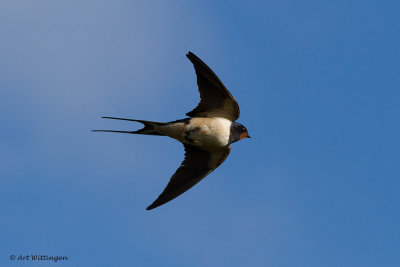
(215, 99)
(196, 165)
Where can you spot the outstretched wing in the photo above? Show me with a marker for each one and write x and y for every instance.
(215, 99)
(196, 165)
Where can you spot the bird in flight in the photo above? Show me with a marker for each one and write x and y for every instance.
(206, 135)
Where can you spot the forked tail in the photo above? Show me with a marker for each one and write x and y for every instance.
(149, 127)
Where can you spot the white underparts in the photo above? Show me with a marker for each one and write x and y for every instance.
(208, 133)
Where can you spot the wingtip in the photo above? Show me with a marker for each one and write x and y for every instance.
(157, 203)
(152, 206)
(190, 55)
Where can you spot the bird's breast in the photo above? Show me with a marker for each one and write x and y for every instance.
(207, 133)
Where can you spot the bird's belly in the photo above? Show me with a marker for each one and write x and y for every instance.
(207, 133)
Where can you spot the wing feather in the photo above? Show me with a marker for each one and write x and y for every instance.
(216, 100)
(196, 166)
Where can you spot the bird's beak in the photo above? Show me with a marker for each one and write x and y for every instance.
(248, 136)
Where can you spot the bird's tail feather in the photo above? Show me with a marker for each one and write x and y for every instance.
(149, 127)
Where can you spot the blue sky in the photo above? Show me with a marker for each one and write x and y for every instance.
(318, 86)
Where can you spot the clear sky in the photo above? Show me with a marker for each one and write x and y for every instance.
(318, 84)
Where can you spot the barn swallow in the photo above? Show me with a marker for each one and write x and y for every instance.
(206, 135)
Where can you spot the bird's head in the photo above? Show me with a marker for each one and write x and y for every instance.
(238, 132)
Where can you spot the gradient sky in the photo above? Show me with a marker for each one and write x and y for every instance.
(318, 83)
